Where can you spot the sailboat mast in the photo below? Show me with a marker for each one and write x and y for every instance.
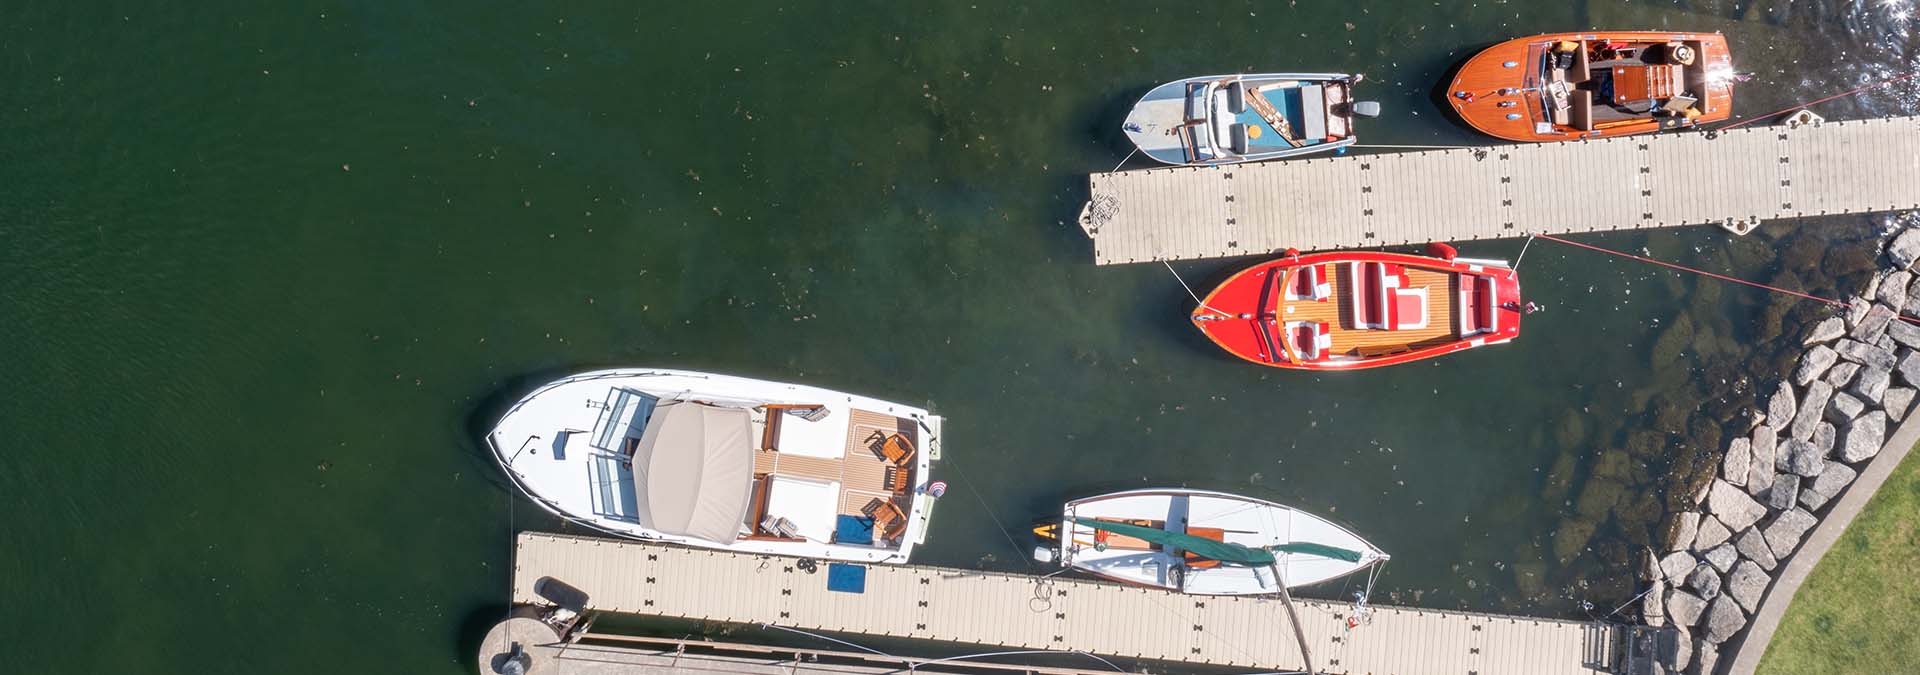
(1300, 634)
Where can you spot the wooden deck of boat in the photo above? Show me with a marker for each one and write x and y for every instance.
(1025, 612)
(1752, 173)
(861, 472)
(1337, 312)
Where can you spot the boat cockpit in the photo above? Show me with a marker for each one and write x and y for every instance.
(1593, 85)
(1241, 117)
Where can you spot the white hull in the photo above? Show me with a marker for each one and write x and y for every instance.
(563, 446)
(1249, 522)
(1195, 122)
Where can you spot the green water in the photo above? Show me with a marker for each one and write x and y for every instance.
(266, 274)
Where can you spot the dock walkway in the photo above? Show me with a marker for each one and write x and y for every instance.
(1738, 178)
(1025, 612)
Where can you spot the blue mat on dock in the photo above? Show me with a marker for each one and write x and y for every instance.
(846, 578)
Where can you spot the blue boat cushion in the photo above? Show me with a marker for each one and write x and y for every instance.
(853, 530)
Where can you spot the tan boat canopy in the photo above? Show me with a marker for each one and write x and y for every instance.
(694, 470)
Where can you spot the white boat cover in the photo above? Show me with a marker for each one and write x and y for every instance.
(694, 470)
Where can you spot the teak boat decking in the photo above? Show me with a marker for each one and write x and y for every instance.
(1338, 312)
(862, 473)
(1568, 86)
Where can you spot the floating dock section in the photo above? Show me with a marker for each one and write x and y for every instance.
(1734, 178)
(1026, 612)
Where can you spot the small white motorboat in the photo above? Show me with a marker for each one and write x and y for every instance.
(726, 462)
(1202, 542)
(1223, 119)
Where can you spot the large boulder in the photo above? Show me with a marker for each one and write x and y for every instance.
(1827, 330)
(1711, 533)
(1760, 468)
(1824, 437)
(1738, 462)
(1677, 565)
(1804, 459)
(1893, 289)
(1871, 384)
(1746, 584)
(1843, 407)
(1722, 557)
(1705, 581)
(1733, 507)
(1785, 491)
(1653, 612)
(1781, 406)
(1909, 367)
(1706, 658)
(1864, 438)
(1684, 608)
(1897, 401)
(1873, 324)
(1865, 354)
(1840, 374)
(1904, 249)
(1752, 545)
(1724, 618)
(1815, 363)
(1681, 528)
(1812, 405)
(1904, 333)
(1784, 533)
(1827, 486)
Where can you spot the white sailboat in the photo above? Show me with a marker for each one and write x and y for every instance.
(725, 462)
(1203, 542)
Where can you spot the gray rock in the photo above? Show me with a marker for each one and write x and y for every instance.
(1843, 407)
(1686, 524)
(1812, 405)
(1752, 545)
(1785, 491)
(1684, 608)
(1781, 406)
(1678, 565)
(1739, 461)
(1827, 330)
(1814, 363)
(1872, 324)
(1904, 333)
(1864, 438)
(1705, 581)
(1824, 436)
(1912, 308)
(1784, 533)
(1653, 612)
(1855, 312)
(1760, 468)
(1706, 658)
(1827, 486)
(1871, 384)
(1865, 354)
(1897, 401)
(1840, 373)
(1805, 460)
(1886, 344)
(1722, 557)
(1682, 653)
(1733, 507)
(1712, 533)
(1746, 584)
(1909, 367)
(1724, 618)
(1904, 249)
(1893, 289)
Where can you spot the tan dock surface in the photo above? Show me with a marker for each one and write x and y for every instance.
(1060, 613)
(1746, 175)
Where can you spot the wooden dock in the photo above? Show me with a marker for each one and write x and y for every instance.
(1025, 612)
(1735, 178)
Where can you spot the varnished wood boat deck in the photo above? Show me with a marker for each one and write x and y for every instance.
(1661, 180)
(861, 471)
(1337, 312)
(1025, 612)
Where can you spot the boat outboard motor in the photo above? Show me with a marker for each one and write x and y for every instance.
(1368, 109)
(1045, 554)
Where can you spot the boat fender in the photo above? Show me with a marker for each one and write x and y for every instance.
(1442, 251)
(1293, 253)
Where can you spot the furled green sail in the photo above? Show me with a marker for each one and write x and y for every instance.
(1225, 552)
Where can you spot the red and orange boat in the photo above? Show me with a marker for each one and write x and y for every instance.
(1361, 309)
(1569, 86)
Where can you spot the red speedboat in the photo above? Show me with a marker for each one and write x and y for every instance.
(1346, 310)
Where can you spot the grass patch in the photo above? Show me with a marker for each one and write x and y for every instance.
(1859, 612)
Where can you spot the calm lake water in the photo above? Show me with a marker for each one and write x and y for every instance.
(267, 274)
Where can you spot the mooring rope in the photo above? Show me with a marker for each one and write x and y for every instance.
(1196, 298)
(1123, 162)
(1722, 277)
(1018, 553)
(1845, 94)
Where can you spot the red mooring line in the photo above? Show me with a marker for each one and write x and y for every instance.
(1771, 115)
(1721, 277)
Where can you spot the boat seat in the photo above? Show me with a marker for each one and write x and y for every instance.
(1236, 97)
(1382, 299)
(1311, 340)
(1582, 110)
(1238, 135)
(1309, 283)
(1582, 69)
(1409, 309)
(1197, 101)
(1313, 113)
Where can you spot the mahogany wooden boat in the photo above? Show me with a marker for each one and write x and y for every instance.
(1361, 309)
(1568, 86)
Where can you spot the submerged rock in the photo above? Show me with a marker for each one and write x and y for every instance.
(1672, 341)
(1828, 330)
(1681, 529)
(1864, 438)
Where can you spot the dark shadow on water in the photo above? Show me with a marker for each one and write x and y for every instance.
(1441, 93)
(473, 632)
